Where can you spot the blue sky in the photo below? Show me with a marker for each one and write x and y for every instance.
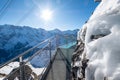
(67, 14)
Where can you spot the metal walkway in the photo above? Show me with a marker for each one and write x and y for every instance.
(58, 67)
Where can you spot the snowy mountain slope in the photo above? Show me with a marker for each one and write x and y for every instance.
(101, 35)
(15, 39)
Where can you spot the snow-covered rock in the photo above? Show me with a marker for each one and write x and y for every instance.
(102, 42)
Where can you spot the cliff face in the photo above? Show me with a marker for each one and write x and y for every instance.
(79, 60)
(97, 54)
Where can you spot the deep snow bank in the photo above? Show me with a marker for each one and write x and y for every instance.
(101, 35)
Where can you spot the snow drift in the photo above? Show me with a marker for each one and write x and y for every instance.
(103, 52)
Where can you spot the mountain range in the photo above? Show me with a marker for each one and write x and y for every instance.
(16, 39)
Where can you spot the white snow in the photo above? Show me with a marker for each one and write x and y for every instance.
(38, 71)
(103, 53)
(8, 68)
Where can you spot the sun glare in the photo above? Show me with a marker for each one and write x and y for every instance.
(46, 14)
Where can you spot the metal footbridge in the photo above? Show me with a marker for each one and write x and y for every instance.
(58, 67)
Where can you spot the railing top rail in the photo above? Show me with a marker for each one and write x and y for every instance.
(22, 54)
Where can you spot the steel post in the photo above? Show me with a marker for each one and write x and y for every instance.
(21, 68)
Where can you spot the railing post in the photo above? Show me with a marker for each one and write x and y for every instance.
(50, 47)
(57, 41)
(50, 51)
(21, 68)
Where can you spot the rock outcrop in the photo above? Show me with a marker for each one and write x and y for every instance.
(79, 60)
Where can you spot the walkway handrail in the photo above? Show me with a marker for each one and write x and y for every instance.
(4, 64)
(30, 58)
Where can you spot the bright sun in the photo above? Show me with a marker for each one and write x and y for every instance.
(46, 14)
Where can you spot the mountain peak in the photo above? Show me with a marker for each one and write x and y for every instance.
(56, 31)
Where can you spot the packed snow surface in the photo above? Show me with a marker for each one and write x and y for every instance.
(103, 53)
